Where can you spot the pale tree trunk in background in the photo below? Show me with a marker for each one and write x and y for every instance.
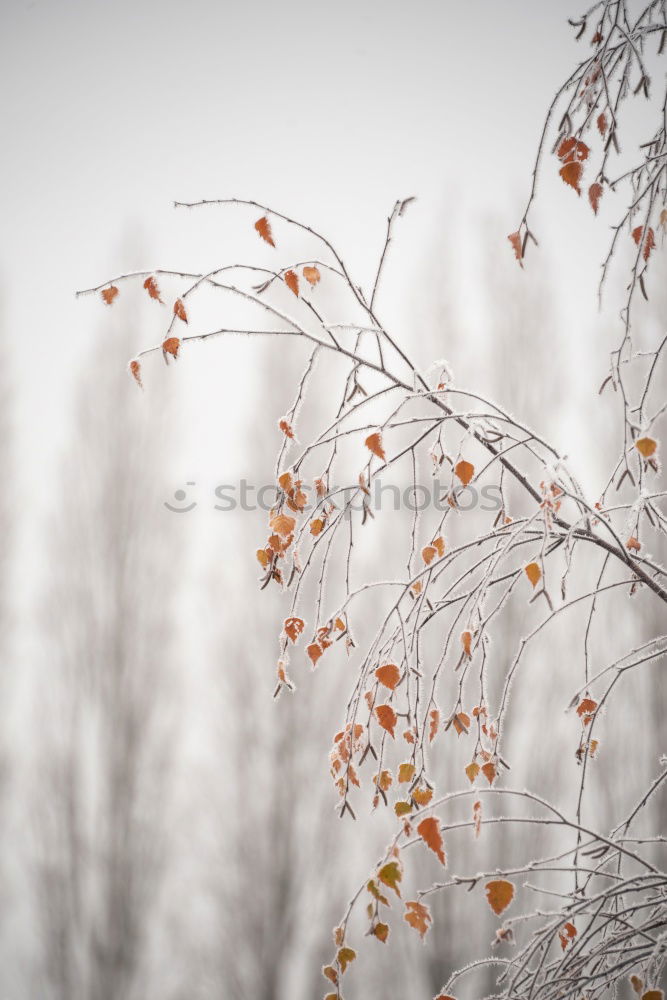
(520, 339)
(654, 689)
(281, 840)
(105, 697)
(7, 655)
(6, 465)
(410, 967)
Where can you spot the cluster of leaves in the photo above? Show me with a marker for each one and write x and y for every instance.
(618, 67)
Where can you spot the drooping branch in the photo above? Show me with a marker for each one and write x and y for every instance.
(422, 653)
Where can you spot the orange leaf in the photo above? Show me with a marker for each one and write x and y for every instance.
(282, 675)
(500, 894)
(286, 482)
(435, 725)
(282, 524)
(297, 499)
(466, 640)
(171, 346)
(375, 892)
(477, 817)
(292, 281)
(646, 446)
(151, 286)
(316, 526)
(602, 123)
(312, 275)
(402, 808)
(533, 572)
(279, 545)
(633, 544)
(465, 471)
(314, 652)
(571, 173)
(263, 227)
(386, 716)
(573, 150)
(179, 310)
(637, 983)
(406, 772)
(439, 545)
(286, 428)
(428, 554)
(422, 796)
(383, 780)
(429, 831)
(489, 771)
(323, 637)
(418, 916)
(344, 957)
(472, 770)
(568, 932)
(653, 995)
(389, 675)
(109, 294)
(517, 246)
(374, 443)
(594, 195)
(135, 371)
(649, 240)
(330, 973)
(391, 874)
(381, 932)
(585, 710)
(461, 723)
(294, 627)
(263, 557)
(649, 244)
